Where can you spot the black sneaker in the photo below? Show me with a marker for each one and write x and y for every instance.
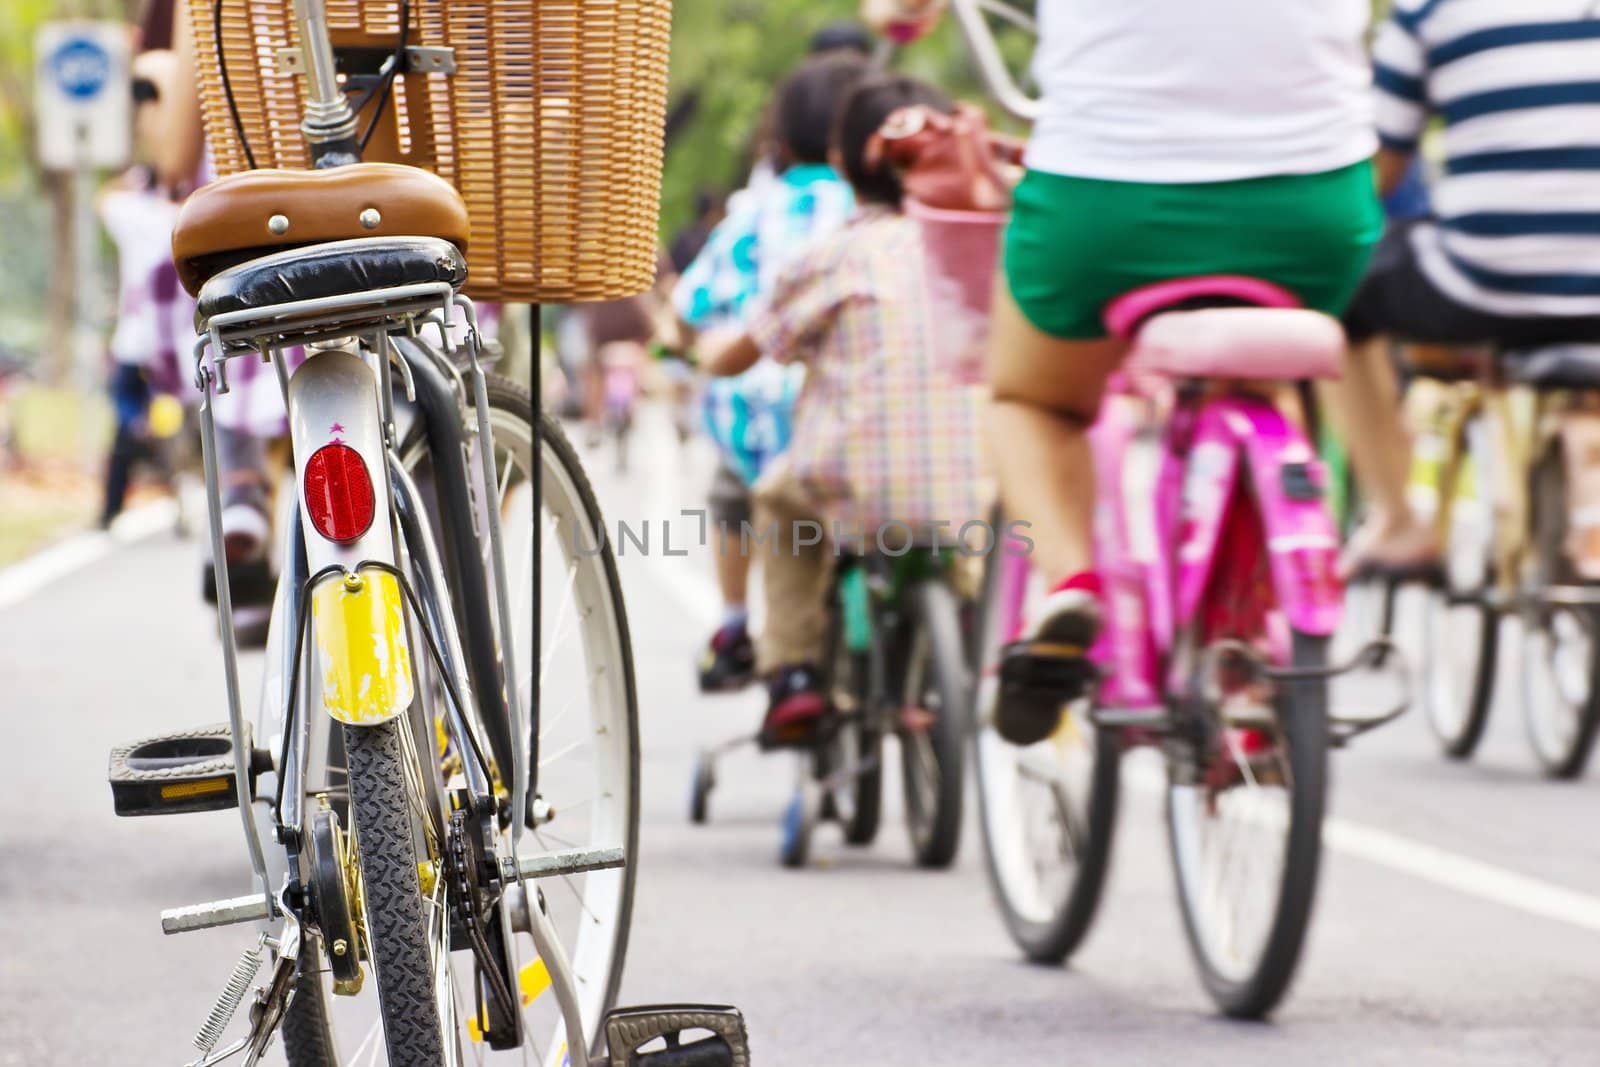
(729, 661)
(1049, 668)
(796, 707)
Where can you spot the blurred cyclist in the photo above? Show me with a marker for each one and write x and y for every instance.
(885, 432)
(1513, 258)
(767, 225)
(150, 339)
(1175, 139)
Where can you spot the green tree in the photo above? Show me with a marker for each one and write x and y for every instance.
(37, 209)
(729, 55)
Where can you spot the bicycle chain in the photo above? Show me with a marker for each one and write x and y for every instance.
(468, 910)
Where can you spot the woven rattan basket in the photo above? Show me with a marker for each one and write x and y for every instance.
(550, 126)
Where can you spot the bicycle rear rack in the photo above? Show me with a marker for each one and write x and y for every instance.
(1380, 654)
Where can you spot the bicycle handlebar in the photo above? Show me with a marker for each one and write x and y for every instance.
(997, 77)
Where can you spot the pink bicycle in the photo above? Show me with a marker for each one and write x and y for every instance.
(1218, 551)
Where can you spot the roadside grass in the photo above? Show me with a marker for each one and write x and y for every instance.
(53, 442)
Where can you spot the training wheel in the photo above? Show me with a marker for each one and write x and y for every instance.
(799, 819)
(700, 786)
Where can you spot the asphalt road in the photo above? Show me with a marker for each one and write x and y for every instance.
(1458, 919)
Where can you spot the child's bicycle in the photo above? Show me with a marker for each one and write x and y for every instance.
(1497, 449)
(896, 664)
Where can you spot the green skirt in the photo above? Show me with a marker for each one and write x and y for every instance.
(1076, 244)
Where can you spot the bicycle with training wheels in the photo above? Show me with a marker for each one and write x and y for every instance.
(1501, 438)
(439, 794)
(895, 665)
(1219, 550)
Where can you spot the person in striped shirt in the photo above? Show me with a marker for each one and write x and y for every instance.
(1512, 255)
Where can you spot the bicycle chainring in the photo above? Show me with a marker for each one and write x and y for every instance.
(476, 914)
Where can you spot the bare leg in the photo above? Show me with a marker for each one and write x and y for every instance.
(1046, 394)
(1365, 404)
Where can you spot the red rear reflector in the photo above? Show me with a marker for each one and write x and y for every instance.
(338, 493)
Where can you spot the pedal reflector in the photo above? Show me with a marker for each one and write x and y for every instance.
(204, 787)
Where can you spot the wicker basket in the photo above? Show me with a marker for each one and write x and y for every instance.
(551, 126)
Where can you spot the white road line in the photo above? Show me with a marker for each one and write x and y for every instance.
(1430, 863)
(23, 579)
(1475, 878)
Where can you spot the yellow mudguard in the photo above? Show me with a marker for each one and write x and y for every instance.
(360, 623)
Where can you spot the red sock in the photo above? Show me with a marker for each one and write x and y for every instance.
(1088, 581)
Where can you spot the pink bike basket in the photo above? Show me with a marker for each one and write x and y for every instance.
(961, 255)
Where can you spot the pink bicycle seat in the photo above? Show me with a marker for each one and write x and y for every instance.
(1274, 338)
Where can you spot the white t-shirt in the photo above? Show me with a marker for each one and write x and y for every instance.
(1201, 90)
(140, 223)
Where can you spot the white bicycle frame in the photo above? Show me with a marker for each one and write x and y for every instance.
(342, 393)
(972, 19)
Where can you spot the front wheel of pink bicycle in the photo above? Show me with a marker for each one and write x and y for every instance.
(1048, 810)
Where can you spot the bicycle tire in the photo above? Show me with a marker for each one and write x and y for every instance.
(1562, 754)
(1303, 713)
(859, 810)
(1458, 734)
(307, 1038)
(935, 829)
(1047, 931)
(397, 930)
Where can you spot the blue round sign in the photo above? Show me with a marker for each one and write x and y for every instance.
(81, 68)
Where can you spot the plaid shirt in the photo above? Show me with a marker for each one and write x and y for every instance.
(885, 431)
(768, 224)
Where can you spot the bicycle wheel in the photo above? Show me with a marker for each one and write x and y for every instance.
(933, 695)
(856, 803)
(587, 769)
(1248, 782)
(1458, 633)
(1561, 651)
(588, 740)
(1047, 811)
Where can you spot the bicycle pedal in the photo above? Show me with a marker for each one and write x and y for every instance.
(676, 1035)
(192, 770)
(250, 584)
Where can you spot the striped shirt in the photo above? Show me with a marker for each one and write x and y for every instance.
(1517, 83)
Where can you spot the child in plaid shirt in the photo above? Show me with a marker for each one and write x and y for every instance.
(885, 444)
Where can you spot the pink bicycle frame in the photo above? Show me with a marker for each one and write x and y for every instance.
(1170, 487)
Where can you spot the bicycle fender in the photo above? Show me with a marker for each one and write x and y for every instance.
(360, 628)
(1291, 490)
(358, 615)
(1209, 473)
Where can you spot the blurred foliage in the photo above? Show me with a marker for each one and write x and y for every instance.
(727, 57)
(25, 231)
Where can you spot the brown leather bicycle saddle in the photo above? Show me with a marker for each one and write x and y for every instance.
(258, 212)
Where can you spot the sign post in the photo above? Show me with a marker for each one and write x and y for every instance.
(84, 112)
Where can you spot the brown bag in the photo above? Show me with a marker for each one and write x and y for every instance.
(951, 162)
